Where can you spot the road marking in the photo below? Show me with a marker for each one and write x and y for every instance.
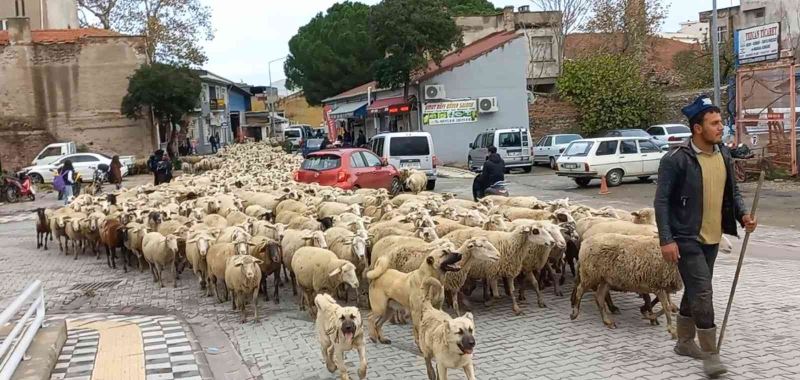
(120, 353)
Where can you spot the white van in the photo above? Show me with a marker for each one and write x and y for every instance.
(53, 152)
(513, 145)
(610, 157)
(407, 150)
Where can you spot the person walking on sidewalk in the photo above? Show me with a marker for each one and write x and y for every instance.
(696, 201)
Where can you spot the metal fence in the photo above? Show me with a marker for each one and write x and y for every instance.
(767, 112)
(17, 341)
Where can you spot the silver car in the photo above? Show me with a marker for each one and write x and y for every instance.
(550, 147)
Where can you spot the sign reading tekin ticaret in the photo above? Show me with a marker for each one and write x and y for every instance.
(758, 44)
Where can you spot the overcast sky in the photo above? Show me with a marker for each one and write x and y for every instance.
(250, 33)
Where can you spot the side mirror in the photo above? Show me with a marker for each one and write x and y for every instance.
(471, 146)
(384, 161)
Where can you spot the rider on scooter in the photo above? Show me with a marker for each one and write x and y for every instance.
(494, 170)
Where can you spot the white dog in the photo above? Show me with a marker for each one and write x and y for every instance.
(340, 330)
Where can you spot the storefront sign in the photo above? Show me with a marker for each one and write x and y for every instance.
(759, 43)
(398, 109)
(464, 111)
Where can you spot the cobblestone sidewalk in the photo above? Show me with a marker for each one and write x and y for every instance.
(762, 339)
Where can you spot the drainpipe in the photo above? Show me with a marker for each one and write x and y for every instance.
(419, 106)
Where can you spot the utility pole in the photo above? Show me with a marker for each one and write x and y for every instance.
(715, 49)
(269, 98)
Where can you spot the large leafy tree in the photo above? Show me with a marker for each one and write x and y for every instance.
(611, 93)
(408, 33)
(470, 7)
(169, 91)
(332, 53)
(173, 29)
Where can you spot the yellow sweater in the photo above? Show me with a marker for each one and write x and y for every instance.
(712, 167)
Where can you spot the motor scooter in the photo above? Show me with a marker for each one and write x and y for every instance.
(498, 188)
(14, 189)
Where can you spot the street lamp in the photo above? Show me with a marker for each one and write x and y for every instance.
(269, 98)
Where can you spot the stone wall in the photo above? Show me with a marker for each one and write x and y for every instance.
(549, 115)
(69, 91)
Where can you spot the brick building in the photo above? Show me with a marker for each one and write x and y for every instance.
(67, 85)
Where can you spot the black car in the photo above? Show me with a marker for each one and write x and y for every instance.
(635, 132)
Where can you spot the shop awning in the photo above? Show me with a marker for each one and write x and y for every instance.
(350, 110)
(382, 105)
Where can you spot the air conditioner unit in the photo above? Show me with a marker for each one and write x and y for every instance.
(489, 104)
(434, 91)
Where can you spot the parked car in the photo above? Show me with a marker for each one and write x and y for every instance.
(635, 132)
(407, 150)
(550, 147)
(84, 164)
(53, 152)
(671, 133)
(311, 145)
(512, 144)
(349, 168)
(611, 157)
(294, 135)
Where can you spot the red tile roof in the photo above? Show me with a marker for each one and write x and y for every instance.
(467, 53)
(54, 36)
(450, 61)
(659, 50)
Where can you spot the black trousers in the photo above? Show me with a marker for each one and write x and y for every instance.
(696, 266)
(478, 190)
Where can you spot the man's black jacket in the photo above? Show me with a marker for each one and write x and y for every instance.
(494, 170)
(679, 196)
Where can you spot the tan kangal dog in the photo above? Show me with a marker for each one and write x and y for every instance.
(339, 329)
(449, 341)
(391, 285)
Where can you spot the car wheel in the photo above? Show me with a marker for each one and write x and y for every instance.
(396, 187)
(614, 177)
(431, 185)
(582, 182)
(527, 169)
(644, 178)
(11, 194)
(36, 178)
(553, 163)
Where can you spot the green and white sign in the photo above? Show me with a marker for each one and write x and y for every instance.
(463, 111)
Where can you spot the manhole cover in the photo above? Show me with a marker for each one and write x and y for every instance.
(95, 285)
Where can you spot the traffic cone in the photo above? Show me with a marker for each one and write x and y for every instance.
(603, 186)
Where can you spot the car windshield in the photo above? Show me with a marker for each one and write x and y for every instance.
(633, 133)
(678, 129)
(409, 146)
(322, 162)
(579, 148)
(292, 133)
(566, 139)
(510, 140)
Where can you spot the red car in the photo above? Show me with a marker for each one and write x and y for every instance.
(349, 168)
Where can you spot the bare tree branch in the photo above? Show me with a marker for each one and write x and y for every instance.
(573, 13)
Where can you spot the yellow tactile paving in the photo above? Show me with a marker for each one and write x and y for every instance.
(120, 351)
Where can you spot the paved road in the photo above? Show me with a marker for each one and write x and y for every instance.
(762, 340)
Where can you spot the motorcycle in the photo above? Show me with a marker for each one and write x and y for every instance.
(100, 177)
(498, 188)
(14, 189)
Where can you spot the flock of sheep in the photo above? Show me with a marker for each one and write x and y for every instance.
(241, 218)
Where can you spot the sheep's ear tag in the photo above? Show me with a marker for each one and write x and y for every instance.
(429, 260)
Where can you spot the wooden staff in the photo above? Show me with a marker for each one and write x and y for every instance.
(741, 260)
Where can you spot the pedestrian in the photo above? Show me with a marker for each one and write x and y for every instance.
(213, 140)
(347, 139)
(696, 201)
(116, 172)
(164, 170)
(494, 170)
(152, 164)
(362, 140)
(67, 172)
(188, 144)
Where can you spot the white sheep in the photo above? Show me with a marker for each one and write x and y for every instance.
(197, 245)
(216, 260)
(294, 240)
(243, 277)
(319, 270)
(160, 252)
(416, 181)
(624, 263)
